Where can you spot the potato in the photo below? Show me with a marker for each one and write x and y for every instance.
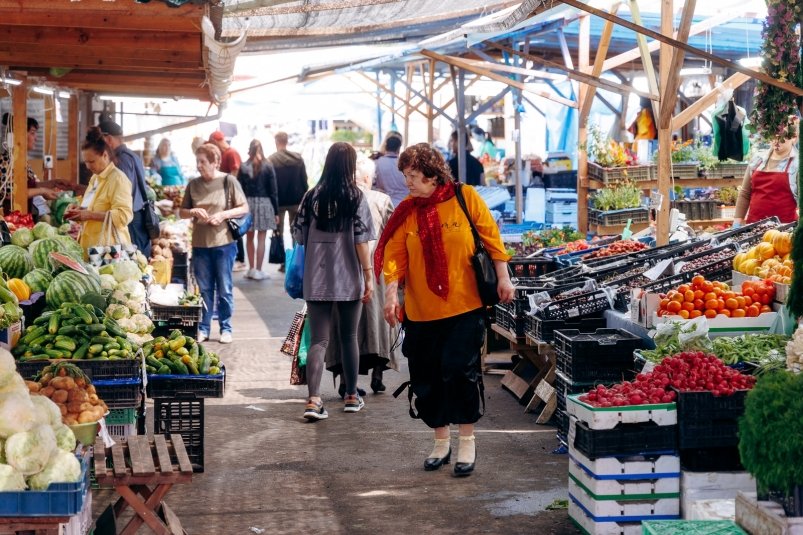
(59, 396)
(77, 394)
(74, 407)
(47, 391)
(86, 406)
(94, 399)
(86, 417)
(63, 409)
(70, 420)
(33, 386)
(91, 390)
(80, 382)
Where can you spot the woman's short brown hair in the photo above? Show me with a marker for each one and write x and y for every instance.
(428, 160)
(211, 152)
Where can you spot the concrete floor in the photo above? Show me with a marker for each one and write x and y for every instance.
(267, 469)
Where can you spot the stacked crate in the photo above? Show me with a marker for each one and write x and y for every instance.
(561, 208)
(623, 466)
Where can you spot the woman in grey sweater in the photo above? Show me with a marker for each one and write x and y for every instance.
(334, 225)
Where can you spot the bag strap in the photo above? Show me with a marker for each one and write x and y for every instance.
(462, 202)
(226, 191)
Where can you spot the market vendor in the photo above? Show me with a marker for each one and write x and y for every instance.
(770, 184)
(108, 192)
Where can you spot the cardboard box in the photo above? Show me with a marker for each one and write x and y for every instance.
(10, 336)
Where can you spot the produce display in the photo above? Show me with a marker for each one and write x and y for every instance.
(16, 220)
(532, 241)
(769, 259)
(572, 247)
(685, 372)
(36, 444)
(712, 299)
(127, 298)
(617, 248)
(794, 351)
(74, 331)
(71, 390)
(179, 355)
(706, 260)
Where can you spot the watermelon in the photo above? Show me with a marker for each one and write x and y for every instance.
(41, 249)
(15, 261)
(68, 287)
(43, 230)
(70, 247)
(22, 237)
(38, 280)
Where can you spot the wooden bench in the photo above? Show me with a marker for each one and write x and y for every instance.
(137, 465)
(37, 525)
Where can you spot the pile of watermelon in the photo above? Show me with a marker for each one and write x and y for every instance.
(29, 258)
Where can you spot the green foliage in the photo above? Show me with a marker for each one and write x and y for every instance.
(353, 137)
(771, 432)
(692, 151)
(728, 195)
(795, 300)
(620, 196)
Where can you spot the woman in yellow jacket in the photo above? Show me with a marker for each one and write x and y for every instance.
(108, 192)
(427, 244)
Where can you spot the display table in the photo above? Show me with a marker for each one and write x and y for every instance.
(142, 472)
(536, 363)
(49, 525)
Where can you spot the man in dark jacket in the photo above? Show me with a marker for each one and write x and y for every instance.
(291, 180)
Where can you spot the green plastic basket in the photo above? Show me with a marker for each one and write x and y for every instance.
(125, 416)
(691, 527)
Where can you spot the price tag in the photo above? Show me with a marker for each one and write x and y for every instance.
(573, 312)
(659, 269)
(656, 200)
(648, 367)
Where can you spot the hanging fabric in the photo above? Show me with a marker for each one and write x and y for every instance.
(731, 140)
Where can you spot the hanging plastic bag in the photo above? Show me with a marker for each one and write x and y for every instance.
(693, 335)
(303, 347)
(294, 276)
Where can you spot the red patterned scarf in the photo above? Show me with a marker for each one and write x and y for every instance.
(429, 231)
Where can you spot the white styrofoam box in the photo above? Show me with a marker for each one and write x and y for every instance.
(610, 417)
(711, 510)
(737, 278)
(624, 489)
(560, 194)
(697, 486)
(722, 326)
(564, 220)
(123, 431)
(81, 523)
(588, 525)
(632, 467)
(624, 510)
(534, 205)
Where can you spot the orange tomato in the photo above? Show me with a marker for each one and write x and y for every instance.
(699, 304)
(728, 295)
(712, 304)
(695, 314)
(731, 304)
(709, 296)
(688, 296)
(765, 308)
(673, 307)
(741, 301)
(721, 305)
(725, 312)
(698, 280)
(684, 314)
(707, 286)
(683, 288)
(747, 301)
(678, 297)
(663, 304)
(709, 313)
(699, 294)
(748, 291)
(753, 311)
(687, 306)
(739, 313)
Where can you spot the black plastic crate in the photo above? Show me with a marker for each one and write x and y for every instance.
(186, 314)
(577, 306)
(183, 416)
(704, 406)
(711, 459)
(625, 439)
(708, 433)
(601, 343)
(618, 217)
(200, 386)
(607, 370)
(544, 330)
(165, 327)
(95, 369)
(119, 393)
(531, 267)
(562, 423)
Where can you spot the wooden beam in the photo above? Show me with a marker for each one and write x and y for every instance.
(98, 14)
(409, 68)
(457, 62)
(670, 94)
(599, 59)
(72, 138)
(577, 75)
(102, 38)
(172, 127)
(119, 51)
(646, 58)
(43, 60)
(431, 98)
(50, 140)
(664, 133)
(709, 99)
(652, 46)
(584, 45)
(124, 79)
(564, 50)
(515, 70)
(791, 88)
(144, 90)
(19, 110)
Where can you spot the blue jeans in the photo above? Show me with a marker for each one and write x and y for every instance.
(212, 269)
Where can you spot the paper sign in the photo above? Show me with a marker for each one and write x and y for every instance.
(656, 272)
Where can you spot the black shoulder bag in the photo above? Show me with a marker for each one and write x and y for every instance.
(484, 269)
(150, 219)
(238, 226)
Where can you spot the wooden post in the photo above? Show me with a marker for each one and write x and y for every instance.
(430, 111)
(72, 138)
(50, 143)
(19, 101)
(582, 130)
(409, 76)
(664, 132)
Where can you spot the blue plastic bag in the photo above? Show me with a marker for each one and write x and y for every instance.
(294, 276)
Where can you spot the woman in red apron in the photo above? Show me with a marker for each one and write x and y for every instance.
(770, 185)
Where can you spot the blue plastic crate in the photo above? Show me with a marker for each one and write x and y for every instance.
(60, 499)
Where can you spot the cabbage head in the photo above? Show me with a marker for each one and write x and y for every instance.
(132, 289)
(17, 414)
(107, 282)
(16, 385)
(50, 413)
(8, 368)
(126, 270)
(143, 323)
(62, 467)
(65, 438)
(30, 451)
(10, 479)
(118, 311)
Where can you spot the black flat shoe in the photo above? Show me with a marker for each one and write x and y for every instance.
(377, 386)
(433, 463)
(464, 469)
(342, 391)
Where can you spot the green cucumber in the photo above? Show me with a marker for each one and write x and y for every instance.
(95, 349)
(81, 351)
(33, 334)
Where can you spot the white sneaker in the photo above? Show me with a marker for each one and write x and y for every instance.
(202, 337)
(251, 274)
(261, 275)
(225, 338)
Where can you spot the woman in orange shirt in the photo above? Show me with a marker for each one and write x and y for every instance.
(427, 245)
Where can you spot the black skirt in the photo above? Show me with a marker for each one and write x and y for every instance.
(445, 369)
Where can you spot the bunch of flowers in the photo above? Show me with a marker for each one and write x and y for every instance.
(781, 52)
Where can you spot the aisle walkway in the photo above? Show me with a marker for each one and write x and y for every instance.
(353, 474)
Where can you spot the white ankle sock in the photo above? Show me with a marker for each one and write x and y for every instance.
(441, 448)
(466, 451)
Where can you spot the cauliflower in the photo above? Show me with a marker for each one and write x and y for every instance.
(127, 270)
(135, 307)
(127, 324)
(143, 323)
(107, 282)
(117, 311)
(133, 289)
(794, 351)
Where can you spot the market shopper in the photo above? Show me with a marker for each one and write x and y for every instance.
(388, 178)
(475, 172)
(166, 165)
(130, 164)
(108, 193)
(427, 245)
(334, 225)
(213, 247)
(769, 187)
(230, 163)
(377, 341)
(291, 180)
(258, 181)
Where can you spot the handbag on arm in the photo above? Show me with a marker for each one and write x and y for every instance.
(238, 226)
(481, 260)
